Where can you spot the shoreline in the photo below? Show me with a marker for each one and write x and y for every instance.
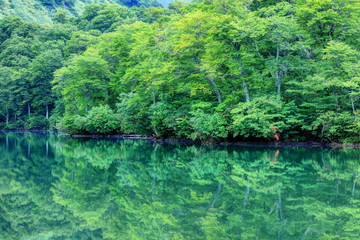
(306, 144)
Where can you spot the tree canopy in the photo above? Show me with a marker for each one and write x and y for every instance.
(203, 70)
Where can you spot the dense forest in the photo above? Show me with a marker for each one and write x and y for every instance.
(208, 70)
(42, 11)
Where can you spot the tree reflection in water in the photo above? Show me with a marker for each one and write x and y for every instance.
(61, 188)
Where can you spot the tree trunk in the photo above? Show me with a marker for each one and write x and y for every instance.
(76, 109)
(246, 91)
(245, 88)
(217, 92)
(87, 106)
(278, 75)
(7, 117)
(353, 106)
(155, 131)
(281, 71)
(29, 109)
(47, 111)
(277, 53)
(278, 82)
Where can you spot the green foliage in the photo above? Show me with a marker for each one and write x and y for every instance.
(133, 114)
(264, 117)
(72, 124)
(205, 70)
(335, 126)
(37, 122)
(102, 120)
(207, 126)
(42, 11)
(161, 122)
(88, 73)
(99, 120)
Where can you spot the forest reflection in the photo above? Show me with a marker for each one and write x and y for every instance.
(53, 187)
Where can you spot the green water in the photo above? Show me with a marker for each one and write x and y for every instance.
(57, 188)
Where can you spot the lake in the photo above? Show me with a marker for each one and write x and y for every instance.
(53, 187)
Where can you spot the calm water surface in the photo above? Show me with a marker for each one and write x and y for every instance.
(57, 188)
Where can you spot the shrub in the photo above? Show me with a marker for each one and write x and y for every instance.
(334, 126)
(37, 122)
(265, 117)
(71, 124)
(133, 113)
(102, 120)
(207, 126)
(161, 118)
(99, 120)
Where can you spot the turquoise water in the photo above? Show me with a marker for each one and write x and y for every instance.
(58, 188)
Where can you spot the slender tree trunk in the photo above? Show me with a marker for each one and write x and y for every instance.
(47, 111)
(322, 132)
(155, 131)
(278, 82)
(29, 109)
(277, 53)
(245, 88)
(7, 117)
(278, 76)
(88, 96)
(246, 91)
(281, 71)
(353, 105)
(76, 109)
(217, 92)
